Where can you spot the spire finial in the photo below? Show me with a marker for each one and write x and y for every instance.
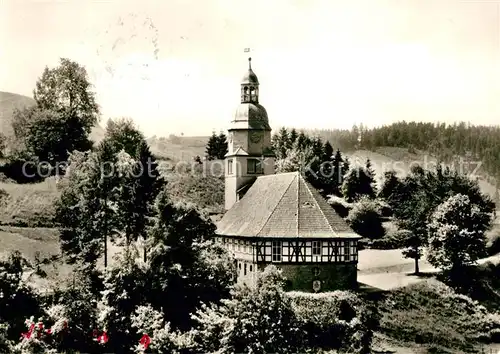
(250, 63)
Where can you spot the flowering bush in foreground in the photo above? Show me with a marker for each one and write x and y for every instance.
(163, 339)
(255, 320)
(41, 339)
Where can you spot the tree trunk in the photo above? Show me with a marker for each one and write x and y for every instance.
(105, 249)
(417, 269)
(105, 234)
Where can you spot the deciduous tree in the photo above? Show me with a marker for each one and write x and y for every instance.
(123, 134)
(65, 112)
(418, 195)
(457, 233)
(67, 90)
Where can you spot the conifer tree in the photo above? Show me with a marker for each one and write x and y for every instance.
(389, 185)
(345, 166)
(293, 136)
(107, 191)
(222, 148)
(327, 151)
(303, 141)
(317, 147)
(357, 184)
(212, 147)
(340, 170)
(147, 187)
(370, 174)
(281, 143)
(87, 206)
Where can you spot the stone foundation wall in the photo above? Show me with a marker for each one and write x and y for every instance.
(307, 277)
(328, 277)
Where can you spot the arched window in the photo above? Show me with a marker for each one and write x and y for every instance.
(244, 94)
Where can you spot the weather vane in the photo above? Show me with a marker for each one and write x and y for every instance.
(247, 50)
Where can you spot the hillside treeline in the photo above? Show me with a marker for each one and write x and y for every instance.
(443, 140)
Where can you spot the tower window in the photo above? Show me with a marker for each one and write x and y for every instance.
(245, 94)
(316, 248)
(276, 251)
(254, 166)
(230, 167)
(245, 269)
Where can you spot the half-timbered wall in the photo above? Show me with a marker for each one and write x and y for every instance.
(305, 251)
(242, 249)
(293, 251)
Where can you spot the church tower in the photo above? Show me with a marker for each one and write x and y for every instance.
(249, 142)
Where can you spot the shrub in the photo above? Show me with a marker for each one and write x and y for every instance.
(433, 313)
(6, 346)
(340, 206)
(17, 300)
(384, 208)
(365, 219)
(76, 302)
(255, 320)
(163, 339)
(125, 288)
(338, 320)
(23, 169)
(392, 240)
(493, 245)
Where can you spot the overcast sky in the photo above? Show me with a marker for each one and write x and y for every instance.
(175, 65)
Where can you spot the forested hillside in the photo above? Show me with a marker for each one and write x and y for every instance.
(444, 141)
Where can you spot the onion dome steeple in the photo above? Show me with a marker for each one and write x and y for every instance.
(250, 86)
(250, 114)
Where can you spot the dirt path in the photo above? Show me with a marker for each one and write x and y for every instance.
(388, 269)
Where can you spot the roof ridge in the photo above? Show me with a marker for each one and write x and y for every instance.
(274, 209)
(319, 206)
(276, 174)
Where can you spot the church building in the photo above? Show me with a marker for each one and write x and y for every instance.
(279, 218)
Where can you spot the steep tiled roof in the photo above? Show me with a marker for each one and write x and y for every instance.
(283, 205)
